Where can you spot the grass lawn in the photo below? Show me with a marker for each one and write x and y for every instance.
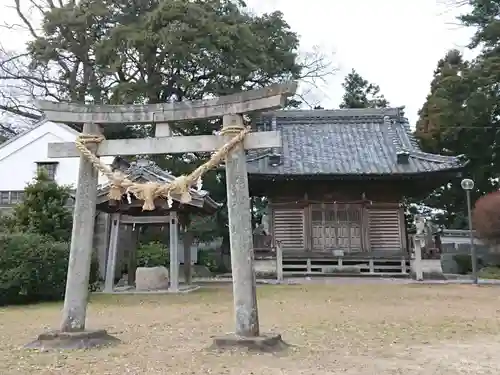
(335, 329)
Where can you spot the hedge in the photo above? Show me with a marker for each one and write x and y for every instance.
(33, 268)
(154, 254)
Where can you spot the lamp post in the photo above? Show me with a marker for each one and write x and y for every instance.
(467, 184)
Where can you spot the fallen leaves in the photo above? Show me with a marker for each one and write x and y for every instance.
(333, 329)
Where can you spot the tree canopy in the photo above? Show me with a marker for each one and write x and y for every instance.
(136, 51)
(461, 115)
(359, 93)
(154, 51)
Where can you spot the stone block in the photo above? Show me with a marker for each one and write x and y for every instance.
(342, 269)
(151, 278)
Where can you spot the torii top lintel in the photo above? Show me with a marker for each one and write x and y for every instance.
(271, 97)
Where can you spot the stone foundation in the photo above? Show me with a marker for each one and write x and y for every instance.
(431, 269)
(57, 340)
(265, 343)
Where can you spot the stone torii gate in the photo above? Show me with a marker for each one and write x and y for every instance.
(230, 108)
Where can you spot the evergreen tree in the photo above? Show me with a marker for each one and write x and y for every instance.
(444, 112)
(359, 93)
(484, 17)
(460, 117)
(44, 209)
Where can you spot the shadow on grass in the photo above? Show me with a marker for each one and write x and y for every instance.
(205, 294)
(202, 294)
(214, 294)
(33, 306)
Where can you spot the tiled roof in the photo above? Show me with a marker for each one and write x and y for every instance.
(345, 142)
(35, 126)
(148, 171)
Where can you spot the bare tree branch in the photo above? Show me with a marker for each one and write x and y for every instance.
(18, 112)
(25, 20)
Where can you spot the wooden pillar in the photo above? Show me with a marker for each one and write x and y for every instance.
(417, 262)
(80, 256)
(279, 261)
(109, 282)
(132, 258)
(240, 236)
(418, 240)
(103, 249)
(349, 218)
(365, 229)
(163, 130)
(187, 241)
(174, 252)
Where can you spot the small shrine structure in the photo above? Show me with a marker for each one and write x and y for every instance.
(119, 228)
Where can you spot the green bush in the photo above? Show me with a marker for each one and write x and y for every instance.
(209, 259)
(153, 254)
(33, 268)
(490, 272)
(464, 263)
(6, 222)
(43, 210)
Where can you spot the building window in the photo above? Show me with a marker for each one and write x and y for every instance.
(336, 227)
(50, 169)
(11, 197)
(264, 126)
(4, 197)
(16, 197)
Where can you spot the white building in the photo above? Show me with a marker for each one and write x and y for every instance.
(21, 156)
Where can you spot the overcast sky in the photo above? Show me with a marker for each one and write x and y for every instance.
(394, 43)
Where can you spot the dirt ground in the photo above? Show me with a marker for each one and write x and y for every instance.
(334, 329)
